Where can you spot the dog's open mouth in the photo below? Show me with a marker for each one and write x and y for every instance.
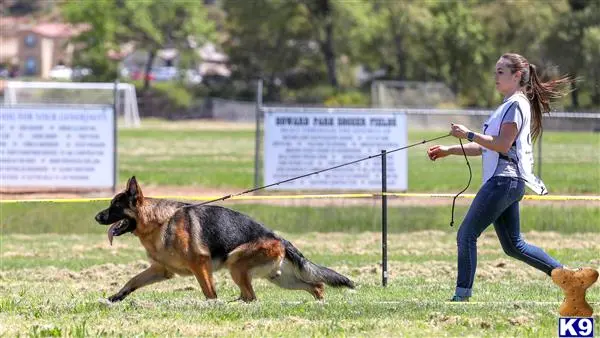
(118, 228)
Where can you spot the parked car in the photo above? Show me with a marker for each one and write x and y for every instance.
(61, 72)
(164, 73)
(138, 74)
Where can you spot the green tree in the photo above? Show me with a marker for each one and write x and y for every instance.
(568, 44)
(151, 24)
(158, 24)
(266, 39)
(300, 40)
(591, 52)
(320, 14)
(357, 33)
(519, 27)
(403, 27)
(340, 29)
(458, 50)
(94, 43)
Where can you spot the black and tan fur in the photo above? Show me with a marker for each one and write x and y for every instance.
(184, 239)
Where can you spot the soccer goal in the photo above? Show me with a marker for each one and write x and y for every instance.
(75, 93)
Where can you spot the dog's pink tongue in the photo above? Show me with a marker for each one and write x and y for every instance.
(110, 232)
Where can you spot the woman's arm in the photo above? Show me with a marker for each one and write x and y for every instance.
(439, 151)
(471, 149)
(500, 143)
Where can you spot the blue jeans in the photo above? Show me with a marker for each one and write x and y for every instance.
(496, 202)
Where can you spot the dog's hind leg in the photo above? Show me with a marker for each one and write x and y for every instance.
(202, 269)
(155, 273)
(257, 259)
(243, 280)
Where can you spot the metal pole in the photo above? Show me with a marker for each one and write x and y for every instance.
(257, 133)
(115, 134)
(384, 271)
(539, 142)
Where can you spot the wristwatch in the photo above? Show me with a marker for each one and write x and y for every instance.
(470, 136)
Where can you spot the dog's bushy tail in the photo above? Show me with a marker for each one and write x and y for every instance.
(314, 273)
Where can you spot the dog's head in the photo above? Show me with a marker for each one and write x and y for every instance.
(122, 211)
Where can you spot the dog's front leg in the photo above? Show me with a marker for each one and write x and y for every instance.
(155, 273)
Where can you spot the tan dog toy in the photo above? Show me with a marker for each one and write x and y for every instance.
(574, 283)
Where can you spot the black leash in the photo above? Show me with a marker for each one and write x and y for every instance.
(349, 163)
(469, 183)
(323, 170)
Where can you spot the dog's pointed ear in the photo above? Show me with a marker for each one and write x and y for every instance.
(129, 183)
(134, 190)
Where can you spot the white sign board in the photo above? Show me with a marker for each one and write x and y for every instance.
(300, 143)
(57, 147)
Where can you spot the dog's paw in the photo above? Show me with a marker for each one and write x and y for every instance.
(116, 298)
(105, 301)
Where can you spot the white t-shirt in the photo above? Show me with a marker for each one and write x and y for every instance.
(523, 152)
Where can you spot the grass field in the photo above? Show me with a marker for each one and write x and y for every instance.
(56, 266)
(196, 154)
(53, 284)
(66, 218)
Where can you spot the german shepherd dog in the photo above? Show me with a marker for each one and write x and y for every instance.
(185, 239)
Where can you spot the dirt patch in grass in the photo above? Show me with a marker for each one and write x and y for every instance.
(419, 245)
(438, 243)
(9, 254)
(433, 242)
(521, 320)
(95, 273)
(434, 271)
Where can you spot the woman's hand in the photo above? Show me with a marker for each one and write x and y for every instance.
(459, 131)
(438, 151)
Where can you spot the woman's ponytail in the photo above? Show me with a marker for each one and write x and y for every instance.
(539, 93)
